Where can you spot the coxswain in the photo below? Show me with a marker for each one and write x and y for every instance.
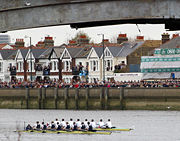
(71, 123)
(44, 126)
(93, 123)
(67, 126)
(83, 127)
(63, 124)
(28, 127)
(78, 123)
(53, 126)
(108, 124)
(48, 126)
(74, 126)
(101, 124)
(58, 126)
(38, 126)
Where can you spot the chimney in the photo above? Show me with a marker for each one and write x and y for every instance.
(175, 35)
(122, 38)
(72, 42)
(82, 39)
(140, 38)
(40, 44)
(106, 41)
(48, 42)
(165, 37)
(19, 43)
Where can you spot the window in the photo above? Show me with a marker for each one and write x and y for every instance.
(108, 65)
(55, 67)
(107, 53)
(66, 54)
(94, 65)
(67, 65)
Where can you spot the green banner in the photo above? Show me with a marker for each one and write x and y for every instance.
(160, 70)
(167, 51)
(168, 59)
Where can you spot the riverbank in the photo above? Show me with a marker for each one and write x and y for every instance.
(91, 98)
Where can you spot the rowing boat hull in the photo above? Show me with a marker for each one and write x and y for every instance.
(66, 132)
(113, 129)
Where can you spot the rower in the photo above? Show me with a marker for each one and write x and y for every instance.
(108, 124)
(78, 123)
(85, 122)
(90, 127)
(74, 126)
(58, 126)
(38, 126)
(71, 123)
(55, 122)
(28, 127)
(83, 127)
(67, 126)
(63, 124)
(53, 127)
(101, 124)
(93, 123)
(44, 126)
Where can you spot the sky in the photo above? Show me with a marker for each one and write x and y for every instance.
(62, 34)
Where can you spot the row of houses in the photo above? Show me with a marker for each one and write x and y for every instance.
(77, 61)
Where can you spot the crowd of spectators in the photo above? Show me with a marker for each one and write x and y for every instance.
(59, 84)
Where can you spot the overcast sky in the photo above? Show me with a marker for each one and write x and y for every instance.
(62, 33)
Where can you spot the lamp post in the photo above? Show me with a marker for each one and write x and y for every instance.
(30, 56)
(103, 70)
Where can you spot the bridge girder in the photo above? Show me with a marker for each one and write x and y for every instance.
(23, 14)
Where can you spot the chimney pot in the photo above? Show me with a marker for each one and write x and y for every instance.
(175, 35)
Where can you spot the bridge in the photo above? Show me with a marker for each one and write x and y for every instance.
(23, 14)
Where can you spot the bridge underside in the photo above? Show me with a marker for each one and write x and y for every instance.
(170, 24)
(23, 14)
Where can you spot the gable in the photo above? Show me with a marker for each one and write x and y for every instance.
(107, 53)
(29, 55)
(7, 47)
(54, 55)
(93, 54)
(19, 56)
(65, 54)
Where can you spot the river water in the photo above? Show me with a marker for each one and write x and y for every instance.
(148, 125)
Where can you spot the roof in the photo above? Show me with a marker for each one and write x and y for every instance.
(24, 52)
(173, 43)
(46, 53)
(37, 52)
(59, 50)
(125, 49)
(2, 45)
(8, 54)
(73, 51)
(99, 50)
(84, 52)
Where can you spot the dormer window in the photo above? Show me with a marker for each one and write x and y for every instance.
(66, 54)
(107, 53)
